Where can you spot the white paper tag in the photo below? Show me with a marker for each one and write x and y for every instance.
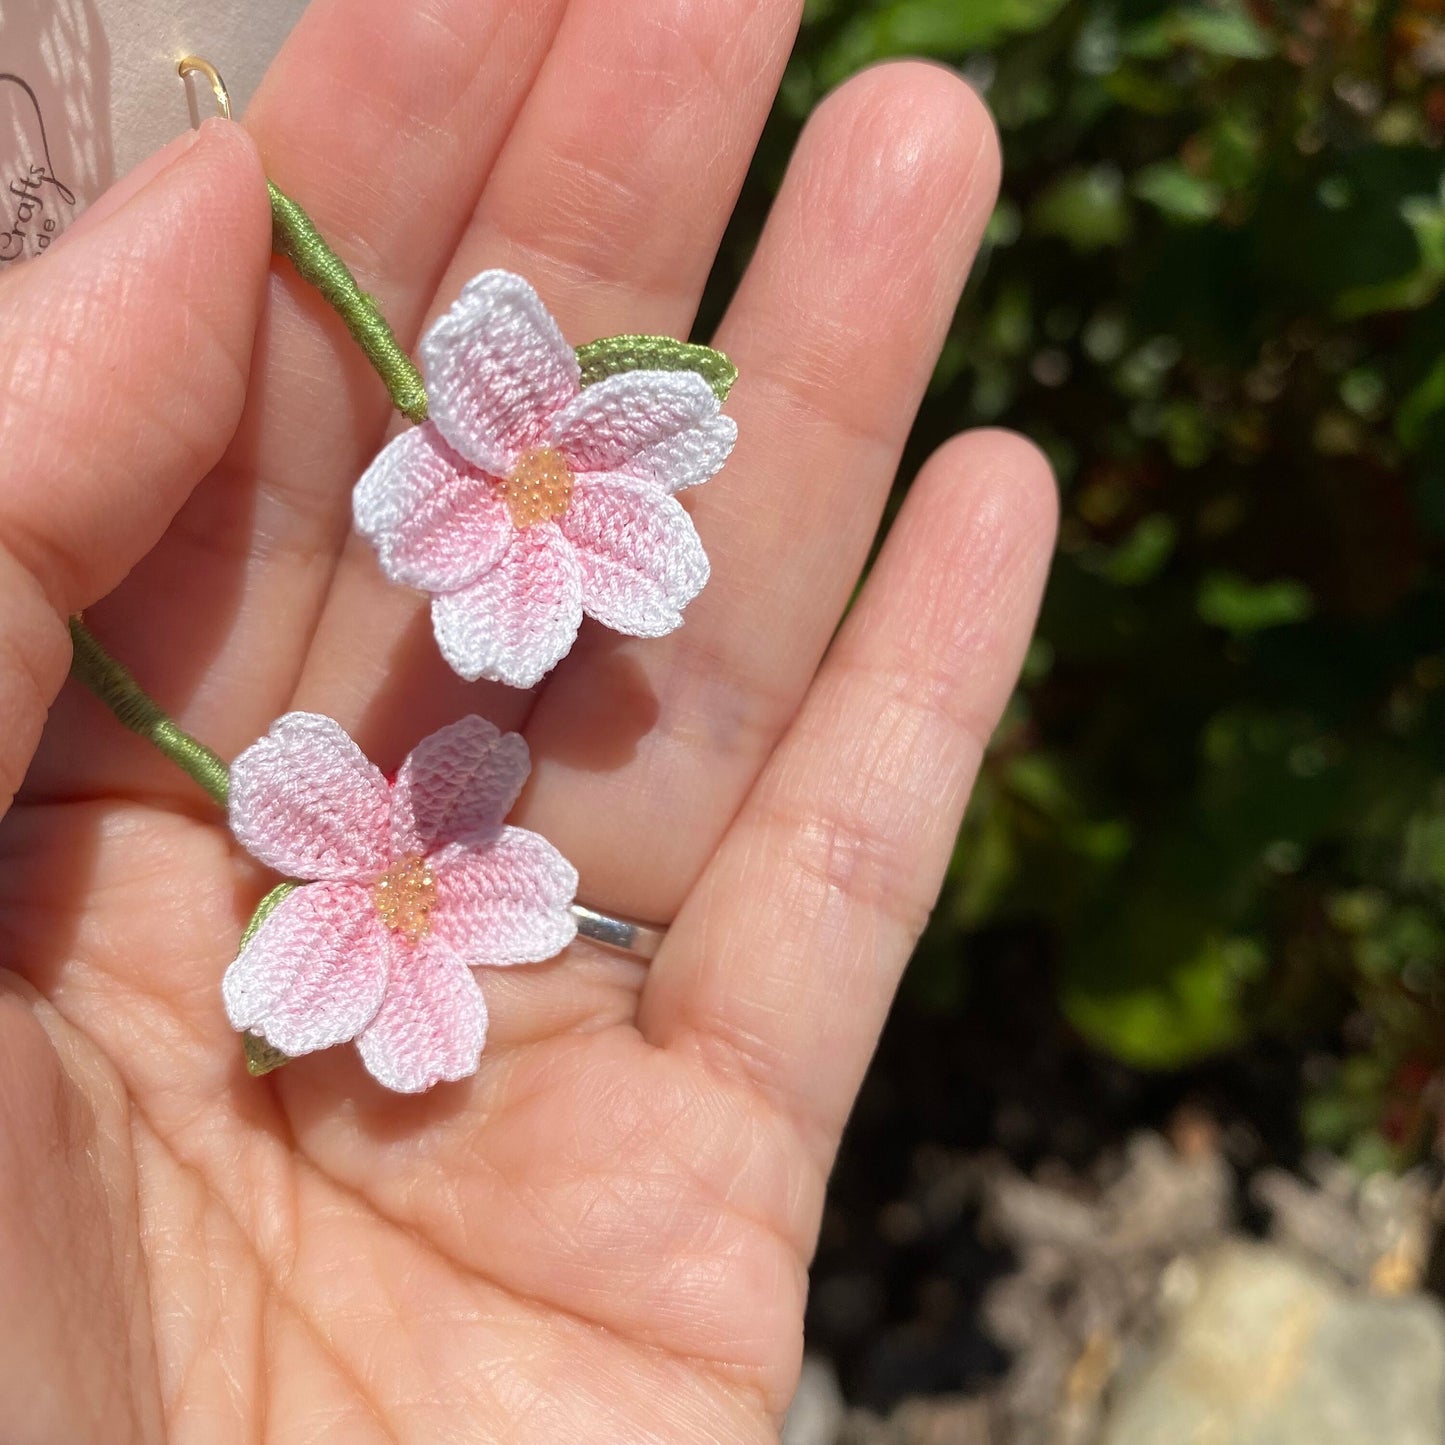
(88, 90)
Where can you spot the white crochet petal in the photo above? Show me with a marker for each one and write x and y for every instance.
(640, 556)
(459, 782)
(517, 621)
(497, 370)
(314, 973)
(659, 426)
(432, 1023)
(505, 899)
(308, 801)
(435, 521)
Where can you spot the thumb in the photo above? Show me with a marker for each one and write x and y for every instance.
(121, 381)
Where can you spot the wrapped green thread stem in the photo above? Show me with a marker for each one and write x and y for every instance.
(294, 236)
(123, 695)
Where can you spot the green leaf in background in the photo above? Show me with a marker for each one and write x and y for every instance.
(1243, 607)
(1086, 208)
(1425, 216)
(1191, 1009)
(985, 861)
(1179, 194)
(1214, 292)
(1347, 230)
(1142, 555)
(1155, 974)
(613, 354)
(952, 28)
(1420, 405)
(1347, 1106)
(1226, 30)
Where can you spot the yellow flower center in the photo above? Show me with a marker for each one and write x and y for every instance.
(538, 488)
(404, 896)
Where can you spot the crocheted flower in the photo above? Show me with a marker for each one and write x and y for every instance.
(410, 884)
(527, 499)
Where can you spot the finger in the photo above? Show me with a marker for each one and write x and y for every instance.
(783, 962)
(383, 120)
(122, 379)
(615, 187)
(611, 197)
(125, 364)
(646, 749)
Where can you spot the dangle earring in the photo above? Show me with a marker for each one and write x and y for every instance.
(537, 485)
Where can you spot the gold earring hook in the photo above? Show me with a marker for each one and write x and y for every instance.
(193, 64)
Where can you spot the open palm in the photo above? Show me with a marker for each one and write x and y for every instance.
(603, 1235)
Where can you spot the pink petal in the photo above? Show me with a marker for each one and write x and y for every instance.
(306, 800)
(432, 1023)
(641, 559)
(436, 522)
(658, 426)
(459, 781)
(504, 901)
(497, 368)
(314, 973)
(516, 622)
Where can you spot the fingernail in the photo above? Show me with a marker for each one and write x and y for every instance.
(129, 185)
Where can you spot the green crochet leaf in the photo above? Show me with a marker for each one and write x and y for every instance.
(261, 1058)
(613, 354)
(265, 908)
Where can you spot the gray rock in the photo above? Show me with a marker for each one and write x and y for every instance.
(1374, 1231)
(1266, 1351)
(1090, 1262)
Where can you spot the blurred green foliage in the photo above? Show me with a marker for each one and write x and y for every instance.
(1214, 291)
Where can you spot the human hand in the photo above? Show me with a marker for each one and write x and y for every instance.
(604, 1234)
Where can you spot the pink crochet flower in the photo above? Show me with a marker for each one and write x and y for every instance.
(409, 885)
(527, 500)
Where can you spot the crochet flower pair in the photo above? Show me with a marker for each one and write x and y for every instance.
(528, 499)
(538, 485)
(541, 487)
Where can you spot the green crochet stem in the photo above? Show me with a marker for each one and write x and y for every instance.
(123, 695)
(91, 664)
(294, 235)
